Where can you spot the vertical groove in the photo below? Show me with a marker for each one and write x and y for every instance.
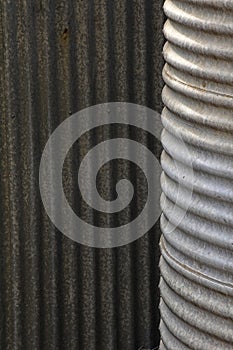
(105, 326)
(51, 238)
(13, 286)
(4, 204)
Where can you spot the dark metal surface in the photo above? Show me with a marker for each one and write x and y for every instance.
(59, 57)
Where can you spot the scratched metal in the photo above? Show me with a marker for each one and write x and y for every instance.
(197, 257)
(59, 57)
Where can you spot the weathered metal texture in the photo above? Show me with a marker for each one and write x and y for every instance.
(197, 256)
(60, 57)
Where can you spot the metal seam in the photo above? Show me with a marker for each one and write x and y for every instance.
(197, 273)
(195, 87)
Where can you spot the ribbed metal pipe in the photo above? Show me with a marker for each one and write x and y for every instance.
(197, 255)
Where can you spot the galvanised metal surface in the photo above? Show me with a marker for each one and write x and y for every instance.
(58, 57)
(197, 255)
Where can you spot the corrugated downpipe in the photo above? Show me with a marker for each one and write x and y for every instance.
(58, 57)
(197, 254)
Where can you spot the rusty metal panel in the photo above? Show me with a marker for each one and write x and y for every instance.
(59, 57)
(197, 251)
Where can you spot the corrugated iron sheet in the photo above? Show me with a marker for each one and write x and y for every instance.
(197, 263)
(59, 57)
